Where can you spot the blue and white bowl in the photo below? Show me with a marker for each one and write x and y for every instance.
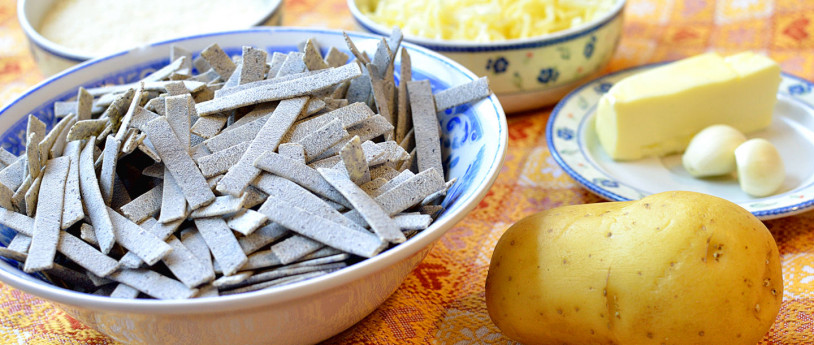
(474, 139)
(52, 57)
(533, 72)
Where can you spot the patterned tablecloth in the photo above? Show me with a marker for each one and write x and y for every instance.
(442, 301)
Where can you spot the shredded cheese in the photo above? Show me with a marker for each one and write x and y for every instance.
(483, 20)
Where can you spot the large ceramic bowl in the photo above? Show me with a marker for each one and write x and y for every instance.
(474, 142)
(52, 57)
(533, 72)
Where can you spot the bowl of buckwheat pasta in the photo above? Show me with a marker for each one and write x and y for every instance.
(266, 185)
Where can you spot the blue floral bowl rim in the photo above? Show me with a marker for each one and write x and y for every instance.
(296, 290)
(53, 48)
(514, 44)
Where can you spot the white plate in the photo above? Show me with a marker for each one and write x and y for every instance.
(572, 141)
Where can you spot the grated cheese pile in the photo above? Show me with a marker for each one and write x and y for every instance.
(483, 20)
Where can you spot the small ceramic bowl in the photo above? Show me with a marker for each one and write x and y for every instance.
(474, 139)
(52, 57)
(533, 72)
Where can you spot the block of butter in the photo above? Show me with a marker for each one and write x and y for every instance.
(657, 112)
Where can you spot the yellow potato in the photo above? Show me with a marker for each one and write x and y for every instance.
(671, 268)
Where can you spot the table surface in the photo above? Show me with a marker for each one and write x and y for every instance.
(442, 301)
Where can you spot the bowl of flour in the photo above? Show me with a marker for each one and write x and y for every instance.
(63, 33)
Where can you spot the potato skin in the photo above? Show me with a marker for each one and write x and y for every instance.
(671, 268)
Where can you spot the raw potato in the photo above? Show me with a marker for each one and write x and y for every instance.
(671, 268)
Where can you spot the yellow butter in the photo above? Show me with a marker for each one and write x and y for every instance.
(657, 112)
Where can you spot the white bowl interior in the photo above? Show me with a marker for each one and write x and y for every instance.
(474, 139)
(31, 13)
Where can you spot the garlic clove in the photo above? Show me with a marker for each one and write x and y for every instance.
(711, 151)
(760, 168)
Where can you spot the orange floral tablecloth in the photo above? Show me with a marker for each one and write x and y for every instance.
(442, 301)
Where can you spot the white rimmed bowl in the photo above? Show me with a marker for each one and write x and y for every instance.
(528, 73)
(474, 142)
(52, 57)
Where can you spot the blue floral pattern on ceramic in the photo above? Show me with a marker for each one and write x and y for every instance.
(498, 65)
(606, 182)
(462, 129)
(548, 75)
(565, 53)
(468, 179)
(573, 145)
(588, 51)
(603, 87)
(565, 133)
(799, 89)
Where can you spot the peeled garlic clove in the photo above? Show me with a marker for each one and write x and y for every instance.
(711, 151)
(760, 168)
